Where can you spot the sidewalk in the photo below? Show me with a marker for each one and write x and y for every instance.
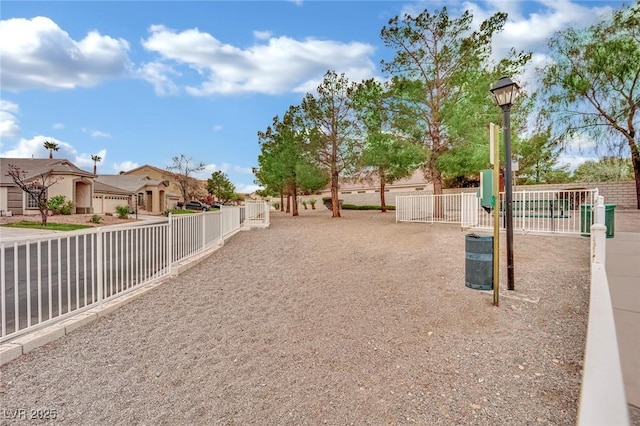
(623, 273)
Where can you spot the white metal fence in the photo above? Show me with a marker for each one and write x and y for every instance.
(558, 211)
(48, 278)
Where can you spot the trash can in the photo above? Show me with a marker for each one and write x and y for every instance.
(585, 220)
(609, 219)
(479, 262)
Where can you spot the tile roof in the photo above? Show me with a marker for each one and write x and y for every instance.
(130, 183)
(37, 166)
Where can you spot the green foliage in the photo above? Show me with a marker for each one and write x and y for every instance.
(312, 202)
(591, 85)
(221, 187)
(607, 169)
(332, 130)
(276, 206)
(51, 225)
(95, 219)
(538, 160)
(58, 205)
(441, 71)
(178, 211)
(387, 154)
(367, 207)
(123, 212)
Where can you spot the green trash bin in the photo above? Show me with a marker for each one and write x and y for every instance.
(585, 220)
(479, 262)
(609, 219)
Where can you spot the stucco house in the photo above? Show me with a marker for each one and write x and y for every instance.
(75, 184)
(106, 198)
(151, 195)
(174, 189)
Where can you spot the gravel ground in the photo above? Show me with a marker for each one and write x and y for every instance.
(316, 320)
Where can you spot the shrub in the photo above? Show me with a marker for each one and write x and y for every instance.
(313, 203)
(276, 206)
(95, 219)
(58, 205)
(354, 207)
(123, 212)
(304, 203)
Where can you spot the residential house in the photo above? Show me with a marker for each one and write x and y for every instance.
(75, 184)
(174, 188)
(415, 182)
(143, 192)
(107, 198)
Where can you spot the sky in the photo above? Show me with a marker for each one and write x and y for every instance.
(141, 82)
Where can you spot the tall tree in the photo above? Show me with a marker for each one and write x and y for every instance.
(96, 159)
(607, 169)
(36, 187)
(538, 160)
(51, 146)
(182, 170)
(332, 130)
(437, 59)
(386, 154)
(285, 157)
(593, 84)
(221, 187)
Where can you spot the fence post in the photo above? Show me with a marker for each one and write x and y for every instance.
(598, 234)
(204, 231)
(99, 265)
(170, 242)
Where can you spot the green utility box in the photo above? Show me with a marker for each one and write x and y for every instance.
(586, 220)
(610, 219)
(479, 262)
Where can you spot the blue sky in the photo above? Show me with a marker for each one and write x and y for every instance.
(139, 82)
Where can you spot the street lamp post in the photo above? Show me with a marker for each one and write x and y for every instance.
(505, 92)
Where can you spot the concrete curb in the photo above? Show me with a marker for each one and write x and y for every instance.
(26, 343)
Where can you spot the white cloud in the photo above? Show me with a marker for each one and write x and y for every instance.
(125, 166)
(99, 134)
(34, 148)
(276, 66)
(37, 53)
(9, 127)
(244, 188)
(85, 161)
(58, 126)
(158, 75)
(217, 127)
(532, 32)
(262, 35)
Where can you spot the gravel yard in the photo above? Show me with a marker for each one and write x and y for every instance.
(357, 320)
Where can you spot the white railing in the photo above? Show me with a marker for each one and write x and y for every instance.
(602, 395)
(445, 208)
(559, 211)
(49, 278)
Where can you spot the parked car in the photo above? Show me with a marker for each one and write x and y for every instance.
(197, 205)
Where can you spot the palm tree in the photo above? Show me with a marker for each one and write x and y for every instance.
(96, 159)
(51, 146)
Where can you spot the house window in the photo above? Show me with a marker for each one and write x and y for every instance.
(32, 202)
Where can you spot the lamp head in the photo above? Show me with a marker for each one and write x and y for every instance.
(505, 91)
